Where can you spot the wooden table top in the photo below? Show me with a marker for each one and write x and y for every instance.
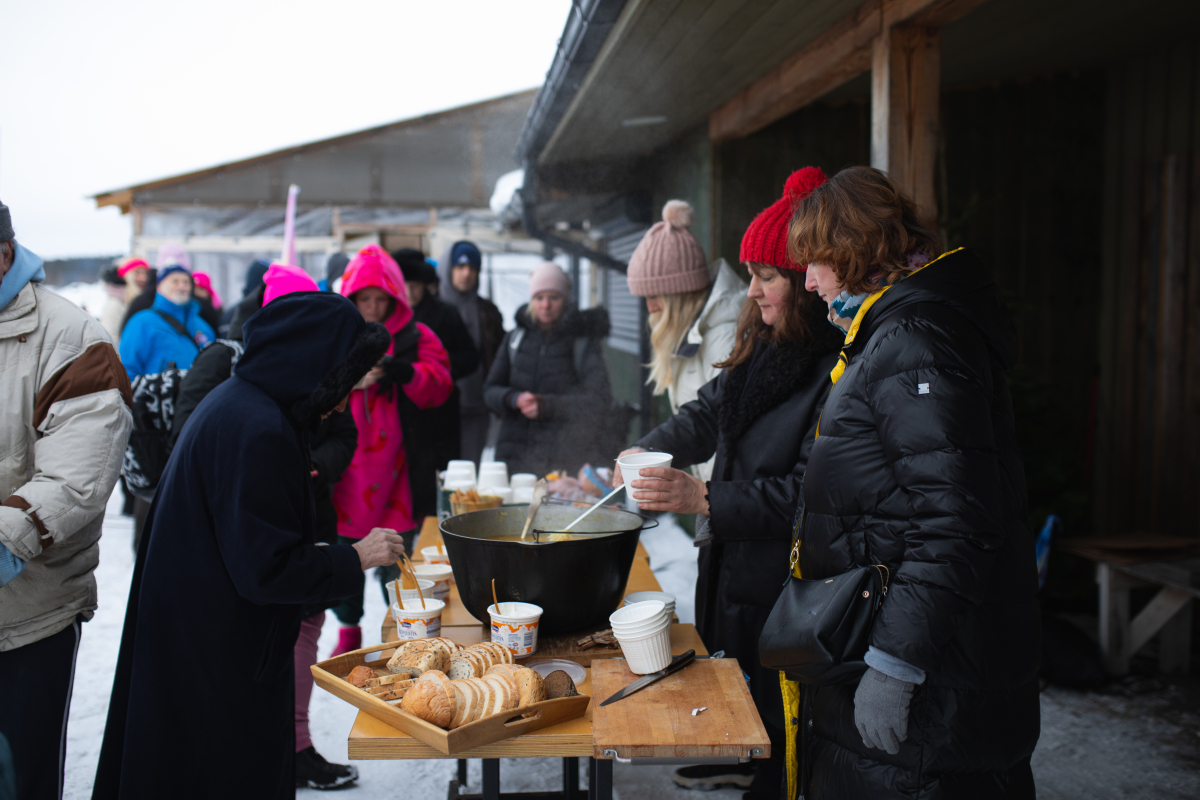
(372, 739)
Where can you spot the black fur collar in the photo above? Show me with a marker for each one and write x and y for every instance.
(787, 368)
(370, 345)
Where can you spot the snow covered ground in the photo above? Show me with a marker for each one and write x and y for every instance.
(1114, 744)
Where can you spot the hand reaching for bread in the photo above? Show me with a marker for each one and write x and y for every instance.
(382, 546)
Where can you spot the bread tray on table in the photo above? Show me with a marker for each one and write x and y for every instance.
(330, 675)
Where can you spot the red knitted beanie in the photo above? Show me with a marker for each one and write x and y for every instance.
(765, 241)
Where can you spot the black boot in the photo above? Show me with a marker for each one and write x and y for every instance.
(314, 772)
(707, 777)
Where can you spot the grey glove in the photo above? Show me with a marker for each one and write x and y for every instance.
(881, 710)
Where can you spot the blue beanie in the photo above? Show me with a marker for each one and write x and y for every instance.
(254, 276)
(465, 253)
(171, 270)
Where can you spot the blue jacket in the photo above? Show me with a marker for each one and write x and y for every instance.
(149, 343)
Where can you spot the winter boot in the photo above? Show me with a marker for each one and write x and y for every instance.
(349, 638)
(314, 772)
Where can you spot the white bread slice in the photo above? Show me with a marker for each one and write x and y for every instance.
(476, 661)
(487, 696)
(505, 655)
(468, 702)
(462, 668)
(392, 691)
(485, 653)
(460, 703)
(505, 694)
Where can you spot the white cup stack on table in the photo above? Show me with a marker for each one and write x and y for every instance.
(523, 494)
(644, 632)
(493, 474)
(523, 480)
(666, 598)
(503, 492)
(460, 472)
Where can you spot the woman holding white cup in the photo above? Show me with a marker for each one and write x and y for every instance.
(757, 417)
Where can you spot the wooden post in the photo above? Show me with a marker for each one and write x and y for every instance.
(905, 83)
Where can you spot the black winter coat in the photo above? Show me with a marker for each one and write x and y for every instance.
(758, 418)
(916, 467)
(575, 398)
(443, 422)
(227, 559)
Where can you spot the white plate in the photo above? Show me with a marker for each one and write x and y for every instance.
(545, 666)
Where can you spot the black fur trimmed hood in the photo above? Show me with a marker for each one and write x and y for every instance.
(592, 322)
(307, 350)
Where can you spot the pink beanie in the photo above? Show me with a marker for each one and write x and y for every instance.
(202, 280)
(668, 260)
(172, 253)
(549, 277)
(282, 279)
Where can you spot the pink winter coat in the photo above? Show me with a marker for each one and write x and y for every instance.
(374, 491)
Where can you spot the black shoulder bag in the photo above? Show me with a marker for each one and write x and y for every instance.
(818, 630)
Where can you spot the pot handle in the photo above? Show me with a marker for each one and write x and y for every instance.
(645, 517)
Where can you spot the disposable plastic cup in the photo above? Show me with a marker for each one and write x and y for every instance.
(523, 495)
(647, 653)
(440, 574)
(413, 622)
(460, 463)
(494, 468)
(643, 628)
(432, 556)
(635, 613)
(667, 599)
(523, 480)
(515, 625)
(427, 587)
(505, 494)
(492, 480)
(633, 464)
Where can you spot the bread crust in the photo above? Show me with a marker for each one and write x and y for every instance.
(432, 698)
(359, 676)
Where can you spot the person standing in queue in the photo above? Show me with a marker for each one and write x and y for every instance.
(438, 439)
(916, 468)
(377, 488)
(171, 331)
(171, 254)
(460, 288)
(227, 562)
(758, 419)
(693, 308)
(549, 382)
(64, 421)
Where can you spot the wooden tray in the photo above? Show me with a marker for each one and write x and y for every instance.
(330, 676)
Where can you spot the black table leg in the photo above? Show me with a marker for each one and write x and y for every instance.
(462, 772)
(571, 778)
(600, 779)
(491, 779)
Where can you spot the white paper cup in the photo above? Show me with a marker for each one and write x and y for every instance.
(460, 463)
(457, 486)
(643, 626)
(667, 599)
(648, 652)
(491, 480)
(504, 493)
(523, 480)
(633, 464)
(515, 626)
(413, 622)
(523, 495)
(432, 556)
(632, 614)
(407, 595)
(440, 574)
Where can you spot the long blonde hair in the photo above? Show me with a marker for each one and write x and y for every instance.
(667, 330)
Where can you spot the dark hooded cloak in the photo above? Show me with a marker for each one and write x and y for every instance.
(202, 699)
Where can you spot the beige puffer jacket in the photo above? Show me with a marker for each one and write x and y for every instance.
(711, 337)
(64, 420)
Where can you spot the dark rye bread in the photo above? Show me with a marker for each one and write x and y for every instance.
(559, 684)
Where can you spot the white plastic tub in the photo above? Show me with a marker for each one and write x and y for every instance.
(440, 574)
(413, 622)
(515, 625)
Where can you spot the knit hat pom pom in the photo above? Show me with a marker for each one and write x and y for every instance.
(800, 184)
(678, 214)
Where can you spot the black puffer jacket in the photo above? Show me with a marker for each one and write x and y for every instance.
(916, 467)
(758, 418)
(444, 320)
(565, 367)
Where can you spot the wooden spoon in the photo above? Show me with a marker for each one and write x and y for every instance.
(535, 502)
(495, 602)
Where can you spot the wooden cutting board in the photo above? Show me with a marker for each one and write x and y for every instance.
(657, 722)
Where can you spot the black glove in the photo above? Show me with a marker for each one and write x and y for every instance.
(396, 373)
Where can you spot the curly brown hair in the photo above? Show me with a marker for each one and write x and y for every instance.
(864, 227)
(803, 311)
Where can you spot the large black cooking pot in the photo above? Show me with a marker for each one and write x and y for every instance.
(577, 583)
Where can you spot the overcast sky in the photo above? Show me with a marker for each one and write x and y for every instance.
(102, 95)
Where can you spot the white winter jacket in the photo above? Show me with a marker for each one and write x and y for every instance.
(64, 421)
(709, 341)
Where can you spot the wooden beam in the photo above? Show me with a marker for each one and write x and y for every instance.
(839, 54)
(905, 86)
(143, 245)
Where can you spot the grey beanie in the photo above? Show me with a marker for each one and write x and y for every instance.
(6, 229)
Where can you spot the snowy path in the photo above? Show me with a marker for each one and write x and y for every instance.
(1093, 745)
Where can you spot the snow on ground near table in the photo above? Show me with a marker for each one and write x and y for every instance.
(1097, 746)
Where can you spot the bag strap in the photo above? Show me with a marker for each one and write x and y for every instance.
(178, 326)
(514, 341)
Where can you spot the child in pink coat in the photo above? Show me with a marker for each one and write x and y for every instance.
(374, 491)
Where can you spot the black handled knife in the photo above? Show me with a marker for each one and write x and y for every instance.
(677, 663)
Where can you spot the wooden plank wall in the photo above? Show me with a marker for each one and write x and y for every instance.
(1148, 437)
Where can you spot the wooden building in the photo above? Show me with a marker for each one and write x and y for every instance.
(421, 182)
(1059, 138)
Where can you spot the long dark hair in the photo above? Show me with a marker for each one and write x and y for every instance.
(803, 310)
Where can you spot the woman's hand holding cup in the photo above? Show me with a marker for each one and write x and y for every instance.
(382, 546)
